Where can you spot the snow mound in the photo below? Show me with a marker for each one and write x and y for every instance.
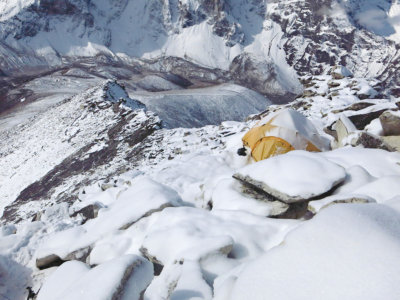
(144, 197)
(123, 278)
(190, 233)
(295, 176)
(346, 252)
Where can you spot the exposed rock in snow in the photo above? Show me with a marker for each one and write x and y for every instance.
(368, 140)
(317, 205)
(339, 72)
(336, 254)
(293, 177)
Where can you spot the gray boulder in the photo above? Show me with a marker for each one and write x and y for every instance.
(390, 121)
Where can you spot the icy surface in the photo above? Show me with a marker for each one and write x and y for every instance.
(206, 106)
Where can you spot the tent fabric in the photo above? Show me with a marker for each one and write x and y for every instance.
(270, 146)
(281, 132)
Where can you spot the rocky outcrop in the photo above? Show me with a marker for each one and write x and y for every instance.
(97, 127)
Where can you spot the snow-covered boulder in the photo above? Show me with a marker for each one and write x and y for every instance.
(349, 251)
(123, 278)
(195, 234)
(178, 281)
(293, 177)
(143, 198)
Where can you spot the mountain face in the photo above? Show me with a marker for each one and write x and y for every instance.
(278, 40)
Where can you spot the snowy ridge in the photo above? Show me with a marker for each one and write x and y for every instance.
(81, 132)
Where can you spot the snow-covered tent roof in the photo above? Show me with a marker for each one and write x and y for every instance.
(282, 132)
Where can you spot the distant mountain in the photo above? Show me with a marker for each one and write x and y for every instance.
(277, 40)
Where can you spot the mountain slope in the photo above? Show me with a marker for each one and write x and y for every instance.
(282, 38)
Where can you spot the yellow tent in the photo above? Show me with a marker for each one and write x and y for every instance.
(281, 132)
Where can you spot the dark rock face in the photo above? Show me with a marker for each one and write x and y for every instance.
(368, 140)
(362, 120)
(87, 212)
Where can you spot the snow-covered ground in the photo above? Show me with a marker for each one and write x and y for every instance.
(164, 219)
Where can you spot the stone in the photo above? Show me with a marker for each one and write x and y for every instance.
(333, 83)
(317, 205)
(392, 141)
(278, 177)
(308, 93)
(344, 127)
(368, 140)
(340, 72)
(362, 120)
(88, 212)
(355, 107)
(390, 121)
(48, 261)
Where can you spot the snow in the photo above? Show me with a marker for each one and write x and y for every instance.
(189, 233)
(125, 277)
(143, 197)
(347, 251)
(376, 162)
(297, 175)
(228, 195)
(382, 189)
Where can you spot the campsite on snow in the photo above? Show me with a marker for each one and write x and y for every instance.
(199, 150)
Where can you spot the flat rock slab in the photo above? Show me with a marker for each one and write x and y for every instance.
(293, 177)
